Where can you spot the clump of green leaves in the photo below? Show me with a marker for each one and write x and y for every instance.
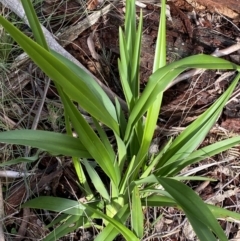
(135, 175)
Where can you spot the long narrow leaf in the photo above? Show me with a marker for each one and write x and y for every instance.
(194, 134)
(55, 143)
(93, 144)
(128, 235)
(20, 160)
(201, 230)
(123, 66)
(109, 232)
(34, 23)
(158, 201)
(77, 164)
(92, 85)
(159, 62)
(96, 180)
(163, 76)
(197, 212)
(75, 86)
(137, 213)
(135, 61)
(56, 204)
(219, 212)
(201, 154)
(69, 225)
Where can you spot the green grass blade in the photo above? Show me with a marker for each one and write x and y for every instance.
(95, 88)
(158, 201)
(123, 66)
(130, 25)
(60, 218)
(201, 230)
(145, 137)
(128, 235)
(93, 144)
(55, 143)
(82, 178)
(219, 212)
(34, 23)
(73, 85)
(56, 204)
(109, 232)
(160, 79)
(70, 224)
(121, 118)
(137, 213)
(173, 168)
(135, 61)
(198, 213)
(96, 180)
(21, 159)
(124, 185)
(77, 164)
(160, 51)
(159, 61)
(194, 134)
(193, 178)
(104, 138)
(122, 153)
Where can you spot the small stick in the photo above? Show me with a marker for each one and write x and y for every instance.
(13, 174)
(23, 227)
(91, 47)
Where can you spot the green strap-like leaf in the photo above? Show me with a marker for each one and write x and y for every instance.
(137, 213)
(195, 133)
(56, 204)
(159, 80)
(109, 232)
(70, 224)
(55, 143)
(158, 201)
(96, 180)
(201, 154)
(219, 212)
(20, 160)
(198, 213)
(34, 23)
(73, 85)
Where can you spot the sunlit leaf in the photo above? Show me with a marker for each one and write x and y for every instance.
(55, 143)
(137, 213)
(198, 213)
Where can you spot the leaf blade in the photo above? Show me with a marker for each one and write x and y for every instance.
(56, 143)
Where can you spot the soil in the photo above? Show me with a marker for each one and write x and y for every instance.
(193, 27)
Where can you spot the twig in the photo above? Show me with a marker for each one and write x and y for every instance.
(91, 47)
(13, 174)
(23, 227)
(39, 111)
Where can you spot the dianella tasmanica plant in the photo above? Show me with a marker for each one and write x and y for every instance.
(138, 179)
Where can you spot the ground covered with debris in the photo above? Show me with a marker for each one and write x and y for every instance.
(89, 32)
